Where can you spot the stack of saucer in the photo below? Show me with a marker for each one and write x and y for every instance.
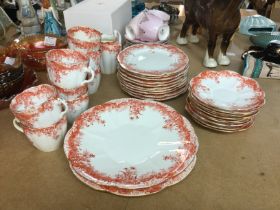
(154, 71)
(224, 101)
(131, 147)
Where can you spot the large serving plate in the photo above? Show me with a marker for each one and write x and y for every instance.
(129, 143)
(227, 90)
(142, 191)
(152, 59)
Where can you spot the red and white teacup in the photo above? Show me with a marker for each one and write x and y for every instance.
(83, 39)
(77, 107)
(72, 94)
(38, 107)
(45, 139)
(68, 68)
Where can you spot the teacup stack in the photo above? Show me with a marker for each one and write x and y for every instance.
(41, 116)
(88, 40)
(70, 73)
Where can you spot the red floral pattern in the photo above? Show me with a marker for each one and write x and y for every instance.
(180, 64)
(127, 176)
(30, 113)
(196, 86)
(186, 169)
(91, 33)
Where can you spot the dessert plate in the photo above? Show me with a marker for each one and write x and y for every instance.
(129, 143)
(152, 59)
(227, 90)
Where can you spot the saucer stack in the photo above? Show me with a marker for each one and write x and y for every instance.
(131, 147)
(224, 101)
(154, 71)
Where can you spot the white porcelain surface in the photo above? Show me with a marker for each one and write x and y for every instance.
(227, 90)
(94, 85)
(83, 39)
(153, 58)
(109, 54)
(38, 107)
(68, 69)
(72, 94)
(143, 142)
(45, 139)
(77, 107)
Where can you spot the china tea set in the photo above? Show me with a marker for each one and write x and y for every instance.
(98, 147)
(42, 112)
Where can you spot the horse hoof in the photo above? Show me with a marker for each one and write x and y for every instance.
(181, 40)
(210, 63)
(223, 60)
(193, 39)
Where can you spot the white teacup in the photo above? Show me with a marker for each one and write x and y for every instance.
(77, 107)
(45, 139)
(38, 107)
(68, 68)
(83, 39)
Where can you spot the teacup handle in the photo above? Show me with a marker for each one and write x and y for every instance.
(117, 34)
(65, 107)
(17, 126)
(91, 72)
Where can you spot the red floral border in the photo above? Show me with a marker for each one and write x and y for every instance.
(257, 101)
(174, 121)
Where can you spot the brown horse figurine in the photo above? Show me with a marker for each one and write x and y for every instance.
(219, 17)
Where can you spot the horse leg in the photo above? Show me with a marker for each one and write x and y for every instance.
(182, 38)
(223, 59)
(193, 37)
(209, 60)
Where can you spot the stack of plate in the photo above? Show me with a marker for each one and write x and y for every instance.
(131, 147)
(153, 71)
(224, 101)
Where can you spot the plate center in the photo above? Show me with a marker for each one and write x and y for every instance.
(127, 144)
